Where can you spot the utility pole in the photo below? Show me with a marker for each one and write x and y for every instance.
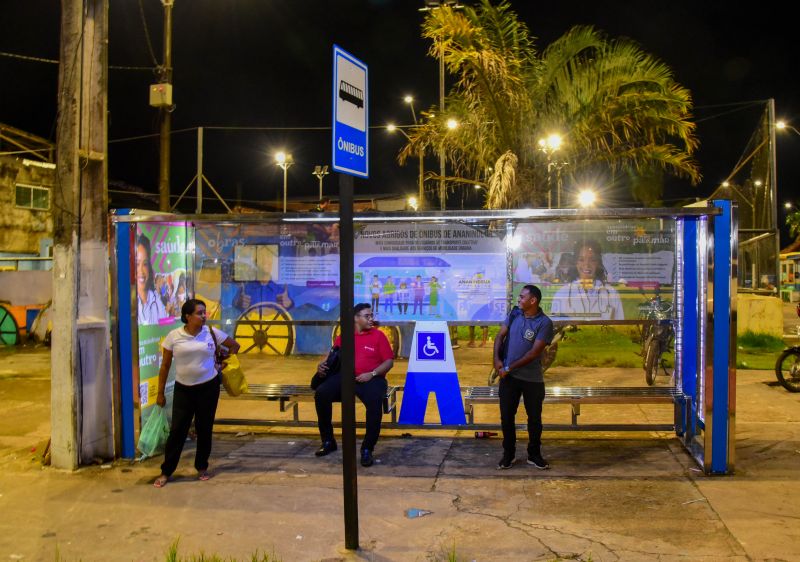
(81, 413)
(165, 113)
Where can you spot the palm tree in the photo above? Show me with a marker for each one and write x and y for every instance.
(616, 107)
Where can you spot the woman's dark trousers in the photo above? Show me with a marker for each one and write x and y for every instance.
(198, 402)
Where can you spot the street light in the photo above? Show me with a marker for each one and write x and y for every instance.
(284, 162)
(320, 172)
(550, 145)
(783, 125)
(452, 124)
(587, 198)
(413, 203)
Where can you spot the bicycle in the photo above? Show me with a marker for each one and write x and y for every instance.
(657, 336)
(787, 367)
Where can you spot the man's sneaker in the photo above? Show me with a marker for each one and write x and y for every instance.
(366, 457)
(538, 461)
(506, 462)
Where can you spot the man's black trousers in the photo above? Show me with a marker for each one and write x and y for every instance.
(532, 393)
(371, 394)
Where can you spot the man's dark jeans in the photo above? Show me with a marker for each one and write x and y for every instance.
(371, 394)
(532, 393)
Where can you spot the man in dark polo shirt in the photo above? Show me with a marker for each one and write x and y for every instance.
(528, 331)
(373, 360)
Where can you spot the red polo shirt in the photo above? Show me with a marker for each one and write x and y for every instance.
(372, 349)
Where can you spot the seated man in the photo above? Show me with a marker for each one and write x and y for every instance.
(373, 360)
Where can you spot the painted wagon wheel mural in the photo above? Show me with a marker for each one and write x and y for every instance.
(9, 331)
(391, 332)
(255, 331)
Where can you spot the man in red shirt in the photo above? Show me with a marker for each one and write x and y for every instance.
(373, 360)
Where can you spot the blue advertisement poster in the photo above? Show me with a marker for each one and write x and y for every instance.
(430, 272)
(258, 279)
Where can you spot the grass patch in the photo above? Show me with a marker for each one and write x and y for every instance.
(599, 346)
(174, 556)
(758, 350)
(753, 341)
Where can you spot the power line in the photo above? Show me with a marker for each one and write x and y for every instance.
(147, 35)
(54, 61)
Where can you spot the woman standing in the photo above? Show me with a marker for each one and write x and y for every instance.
(196, 386)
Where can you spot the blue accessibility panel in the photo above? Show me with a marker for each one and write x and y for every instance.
(431, 346)
(444, 386)
(432, 369)
(350, 111)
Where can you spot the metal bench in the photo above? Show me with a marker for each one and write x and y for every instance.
(290, 395)
(578, 395)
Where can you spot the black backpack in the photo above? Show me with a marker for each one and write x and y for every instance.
(513, 315)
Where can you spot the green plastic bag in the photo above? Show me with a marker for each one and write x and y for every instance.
(154, 433)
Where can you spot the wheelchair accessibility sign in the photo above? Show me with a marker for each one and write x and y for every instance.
(432, 370)
(431, 346)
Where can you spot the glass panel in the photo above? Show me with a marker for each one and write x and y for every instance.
(40, 198)
(598, 270)
(23, 196)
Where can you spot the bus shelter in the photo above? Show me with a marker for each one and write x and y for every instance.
(272, 281)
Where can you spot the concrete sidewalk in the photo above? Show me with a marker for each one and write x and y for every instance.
(607, 497)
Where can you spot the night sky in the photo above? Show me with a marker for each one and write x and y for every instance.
(267, 63)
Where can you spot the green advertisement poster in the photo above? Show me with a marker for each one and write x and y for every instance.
(162, 279)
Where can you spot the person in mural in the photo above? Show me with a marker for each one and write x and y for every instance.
(150, 308)
(403, 296)
(375, 292)
(373, 360)
(389, 291)
(265, 289)
(179, 296)
(193, 348)
(587, 294)
(518, 349)
(484, 336)
(418, 289)
(434, 306)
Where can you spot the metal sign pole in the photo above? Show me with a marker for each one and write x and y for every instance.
(349, 475)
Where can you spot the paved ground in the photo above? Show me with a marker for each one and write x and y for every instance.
(609, 496)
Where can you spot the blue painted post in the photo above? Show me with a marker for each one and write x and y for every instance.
(691, 321)
(724, 372)
(125, 345)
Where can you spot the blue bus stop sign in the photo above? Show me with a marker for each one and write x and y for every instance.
(350, 110)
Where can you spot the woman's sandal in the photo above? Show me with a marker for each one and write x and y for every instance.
(204, 475)
(161, 481)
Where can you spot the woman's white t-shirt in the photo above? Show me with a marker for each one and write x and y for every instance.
(193, 355)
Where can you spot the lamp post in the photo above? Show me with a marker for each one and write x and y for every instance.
(320, 172)
(550, 145)
(436, 5)
(421, 155)
(284, 162)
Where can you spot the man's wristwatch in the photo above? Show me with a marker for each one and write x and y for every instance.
(373, 373)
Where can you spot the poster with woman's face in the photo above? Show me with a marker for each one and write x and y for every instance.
(596, 270)
(163, 283)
